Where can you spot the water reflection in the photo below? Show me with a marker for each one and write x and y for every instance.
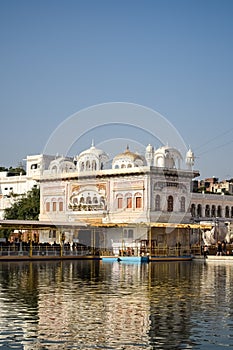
(89, 304)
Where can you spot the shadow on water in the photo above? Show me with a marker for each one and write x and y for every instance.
(91, 304)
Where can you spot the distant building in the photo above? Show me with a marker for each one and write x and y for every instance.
(213, 185)
(12, 187)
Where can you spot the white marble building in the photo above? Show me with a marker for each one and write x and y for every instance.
(137, 190)
(121, 200)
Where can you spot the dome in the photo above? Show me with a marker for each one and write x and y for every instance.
(128, 159)
(167, 157)
(61, 165)
(93, 151)
(91, 159)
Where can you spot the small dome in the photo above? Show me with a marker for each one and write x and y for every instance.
(167, 157)
(92, 150)
(62, 164)
(128, 159)
(91, 159)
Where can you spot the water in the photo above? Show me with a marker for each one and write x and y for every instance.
(96, 305)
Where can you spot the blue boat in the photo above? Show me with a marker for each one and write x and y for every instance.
(128, 259)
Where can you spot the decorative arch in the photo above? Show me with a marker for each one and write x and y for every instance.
(94, 165)
(60, 204)
(199, 210)
(54, 169)
(207, 210)
(193, 210)
(54, 204)
(47, 205)
(219, 211)
(213, 211)
(170, 203)
(157, 203)
(138, 200)
(182, 204)
(119, 198)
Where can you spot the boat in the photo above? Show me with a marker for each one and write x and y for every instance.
(145, 258)
(126, 259)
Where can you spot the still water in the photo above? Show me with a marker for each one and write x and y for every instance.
(96, 305)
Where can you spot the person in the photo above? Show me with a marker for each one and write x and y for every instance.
(224, 248)
(206, 252)
(219, 248)
(178, 246)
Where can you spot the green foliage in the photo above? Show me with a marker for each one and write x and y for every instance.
(13, 171)
(26, 208)
(16, 171)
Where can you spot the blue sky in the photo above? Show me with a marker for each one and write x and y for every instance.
(174, 56)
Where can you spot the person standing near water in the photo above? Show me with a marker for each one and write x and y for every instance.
(205, 252)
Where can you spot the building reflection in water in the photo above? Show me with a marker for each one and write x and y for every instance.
(82, 304)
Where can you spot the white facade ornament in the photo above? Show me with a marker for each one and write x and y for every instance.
(190, 159)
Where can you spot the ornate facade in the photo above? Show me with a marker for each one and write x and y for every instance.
(123, 200)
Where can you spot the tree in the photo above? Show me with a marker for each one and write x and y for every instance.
(25, 208)
(16, 171)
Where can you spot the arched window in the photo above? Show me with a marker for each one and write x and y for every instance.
(213, 211)
(93, 165)
(88, 200)
(138, 200)
(119, 201)
(95, 200)
(207, 210)
(227, 212)
(47, 206)
(170, 204)
(54, 169)
(199, 210)
(60, 205)
(82, 200)
(182, 204)
(122, 165)
(88, 165)
(219, 211)
(193, 210)
(75, 200)
(157, 202)
(82, 166)
(129, 200)
(102, 201)
(128, 233)
(54, 205)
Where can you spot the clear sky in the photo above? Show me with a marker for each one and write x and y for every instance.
(174, 56)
